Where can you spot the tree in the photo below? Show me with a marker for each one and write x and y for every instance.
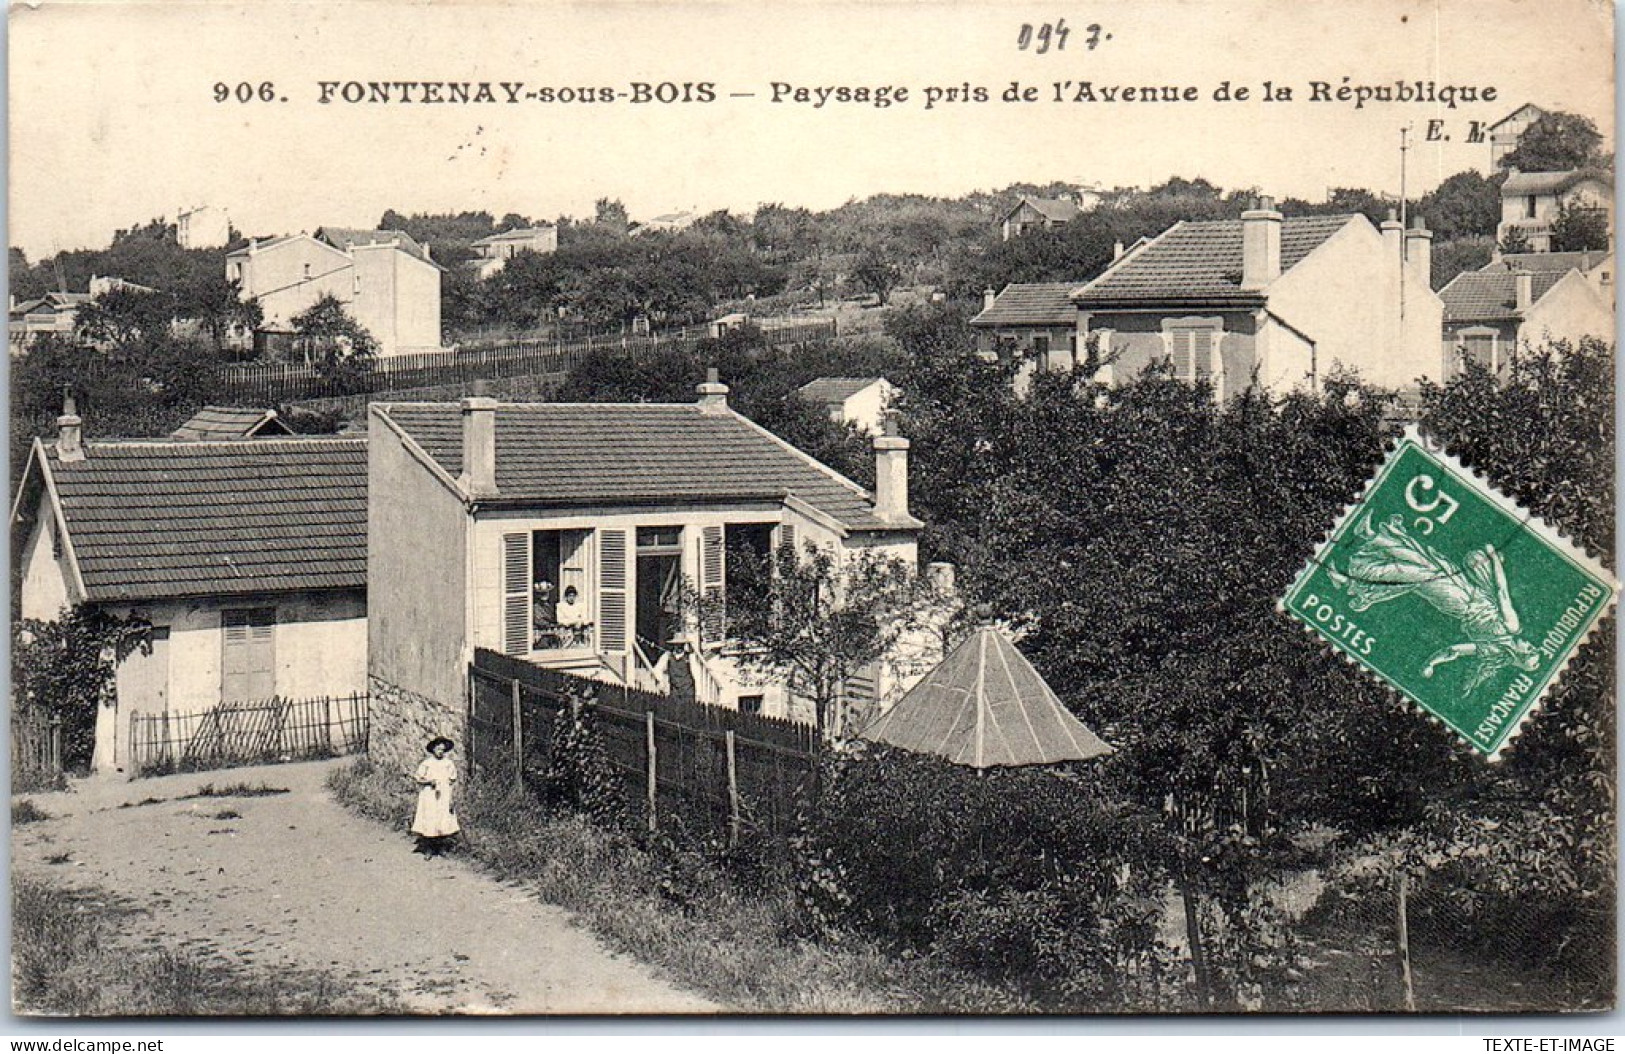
(1579, 227)
(1515, 240)
(124, 319)
(1467, 204)
(876, 273)
(611, 216)
(336, 345)
(1556, 142)
(816, 619)
(1452, 257)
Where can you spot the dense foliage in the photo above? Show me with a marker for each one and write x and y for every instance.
(65, 668)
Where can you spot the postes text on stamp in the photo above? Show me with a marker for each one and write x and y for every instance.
(1451, 594)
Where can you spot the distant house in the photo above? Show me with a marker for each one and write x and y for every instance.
(249, 560)
(1531, 201)
(54, 312)
(495, 250)
(385, 279)
(566, 535)
(203, 227)
(231, 422)
(1269, 300)
(733, 322)
(1033, 319)
(1597, 266)
(668, 222)
(59, 312)
(1037, 213)
(1505, 134)
(1490, 313)
(860, 401)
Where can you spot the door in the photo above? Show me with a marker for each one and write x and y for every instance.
(659, 604)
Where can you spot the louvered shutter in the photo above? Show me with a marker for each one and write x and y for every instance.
(248, 664)
(516, 612)
(1201, 354)
(713, 622)
(612, 590)
(787, 536)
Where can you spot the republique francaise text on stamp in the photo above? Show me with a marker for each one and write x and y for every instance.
(1451, 594)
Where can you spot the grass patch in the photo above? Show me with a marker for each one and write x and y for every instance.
(68, 959)
(59, 858)
(234, 790)
(736, 947)
(143, 801)
(228, 814)
(25, 811)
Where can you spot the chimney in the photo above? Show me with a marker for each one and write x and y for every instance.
(988, 296)
(713, 393)
(479, 476)
(1523, 282)
(1117, 250)
(1260, 245)
(427, 255)
(1393, 239)
(891, 474)
(69, 440)
(1419, 250)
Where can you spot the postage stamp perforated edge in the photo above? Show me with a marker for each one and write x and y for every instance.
(1547, 533)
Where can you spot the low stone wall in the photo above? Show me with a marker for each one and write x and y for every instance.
(402, 722)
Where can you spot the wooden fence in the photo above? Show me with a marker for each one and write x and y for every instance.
(36, 747)
(266, 384)
(704, 769)
(248, 734)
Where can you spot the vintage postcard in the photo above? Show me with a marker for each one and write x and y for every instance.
(712, 508)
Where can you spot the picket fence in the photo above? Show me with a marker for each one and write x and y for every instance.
(682, 764)
(248, 733)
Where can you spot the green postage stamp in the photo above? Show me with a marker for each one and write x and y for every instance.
(1450, 593)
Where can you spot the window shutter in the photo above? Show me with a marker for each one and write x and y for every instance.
(787, 536)
(712, 558)
(248, 666)
(1201, 354)
(612, 590)
(516, 600)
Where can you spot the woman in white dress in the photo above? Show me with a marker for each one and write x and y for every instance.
(435, 823)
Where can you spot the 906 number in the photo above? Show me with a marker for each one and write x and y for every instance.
(243, 91)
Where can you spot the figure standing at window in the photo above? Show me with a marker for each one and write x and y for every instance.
(435, 823)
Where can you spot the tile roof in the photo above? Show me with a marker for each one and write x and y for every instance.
(1557, 262)
(230, 422)
(347, 238)
(1201, 261)
(520, 234)
(1490, 296)
(833, 390)
(153, 519)
(1032, 304)
(569, 454)
(1058, 209)
(1521, 183)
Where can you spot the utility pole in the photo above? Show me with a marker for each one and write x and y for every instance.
(1404, 222)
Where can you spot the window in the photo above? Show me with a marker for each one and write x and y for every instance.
(750, 704)
(1481, 346)
(248, 662)
(237, 271)
(1041, 345)
(1191, 348)
(1529, 207)
(561, 609)
(307, 272)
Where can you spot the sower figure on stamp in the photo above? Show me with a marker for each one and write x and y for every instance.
(1390, 564)
(435, 822)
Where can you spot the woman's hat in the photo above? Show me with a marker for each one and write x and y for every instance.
(436, 741)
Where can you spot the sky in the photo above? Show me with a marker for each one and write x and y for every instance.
(113, 118)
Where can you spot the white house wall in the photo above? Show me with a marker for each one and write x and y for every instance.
(1570, 310)
(1345, 297)
(45, 586)
(276, 276)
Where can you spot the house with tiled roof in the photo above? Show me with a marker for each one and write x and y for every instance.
(567, 535)
(232, 422)
(1505, 134)
(495, 250)
(1032, 319)
(248, 559)
(1532, 201)
(1490, 313)
(386, 280)
(1269, 300)
(860, 401)
(1029, 213)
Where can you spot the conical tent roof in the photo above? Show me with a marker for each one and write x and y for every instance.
(985, 705)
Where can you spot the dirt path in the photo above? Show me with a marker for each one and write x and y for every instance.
(295, 880)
